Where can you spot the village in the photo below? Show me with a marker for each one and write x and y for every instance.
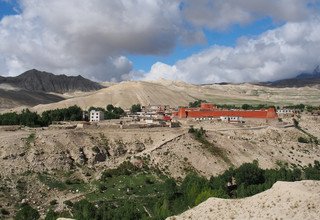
(172, 117)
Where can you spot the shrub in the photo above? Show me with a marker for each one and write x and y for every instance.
(53, 202)
(249, 174)
(303, 140)
(84, 210)
(26, 212)
(4, 212)
(68, 203)
(135, 108)
(51, 215)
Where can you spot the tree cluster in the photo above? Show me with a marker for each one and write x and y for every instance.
(33, 119)
(135, 108)
(197, 103)
(110, 112)
(246, 180)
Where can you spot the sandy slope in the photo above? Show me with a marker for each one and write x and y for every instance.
(285, 200)
(175, 93)
(126, 94)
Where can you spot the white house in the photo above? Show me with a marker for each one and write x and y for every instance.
(96, 116)
(231, 119)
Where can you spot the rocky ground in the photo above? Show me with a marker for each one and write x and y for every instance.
(29, 156)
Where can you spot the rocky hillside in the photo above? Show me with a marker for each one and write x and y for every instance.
(285, 200)
(34, 80)
(11, 98)
(33, 160)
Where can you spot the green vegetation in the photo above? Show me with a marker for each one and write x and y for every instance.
(135, 108)
(26, 117)
(32, 119)
(303, 140)
(200, 136)
(113, 112)
(73, 113)
(26, 212)
(63, 183)
(312, 139)
(300, 107)
(51, 215)
(197, 103)
(110, 112)
(255, 107)
(128, 192)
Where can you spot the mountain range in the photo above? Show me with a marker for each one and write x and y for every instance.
(35, 87)
(35, 80)
(44, 91)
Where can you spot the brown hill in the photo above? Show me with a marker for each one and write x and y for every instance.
(285, 200)
(175, 93)
(126, 94)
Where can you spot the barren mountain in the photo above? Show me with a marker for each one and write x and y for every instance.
(126, 94)
(175, 94)
(11, 97)
(34, 87)
(34, 80)
(285, 200)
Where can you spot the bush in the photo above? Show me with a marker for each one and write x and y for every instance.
(126, 168)
(68, 203)
(135, 108)
(303, 140)
(53, 202)
(26, 212)
(249, 174)
(197, 103)
(84, 210)
(51, 215)
(4, 212)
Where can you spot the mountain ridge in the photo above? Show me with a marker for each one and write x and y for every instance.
(303, 79)
(41, 81)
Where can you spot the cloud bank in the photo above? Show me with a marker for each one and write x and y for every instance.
(276, 54)
(86, 37)
(93, 38)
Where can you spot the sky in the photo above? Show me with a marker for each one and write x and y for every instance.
(196, 41)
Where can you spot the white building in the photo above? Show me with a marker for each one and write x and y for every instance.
(286, 111)
(96, 116)
(231, 119)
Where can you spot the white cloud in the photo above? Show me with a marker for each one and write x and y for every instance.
(280, 53)
(93, 37)
(86, 37)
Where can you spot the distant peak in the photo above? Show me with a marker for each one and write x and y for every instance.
(316, 70)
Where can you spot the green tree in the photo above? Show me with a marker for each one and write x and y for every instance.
(84, 210)
(246, 106)
(204, 195)
(26, 212)
(197, 103)
(51, 215)
(135, 108)
(249, 174)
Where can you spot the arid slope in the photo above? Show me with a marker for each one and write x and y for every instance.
(285, 200)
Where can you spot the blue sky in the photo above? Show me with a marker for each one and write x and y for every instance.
(227, 40)
(227, 37)
(7, 8)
